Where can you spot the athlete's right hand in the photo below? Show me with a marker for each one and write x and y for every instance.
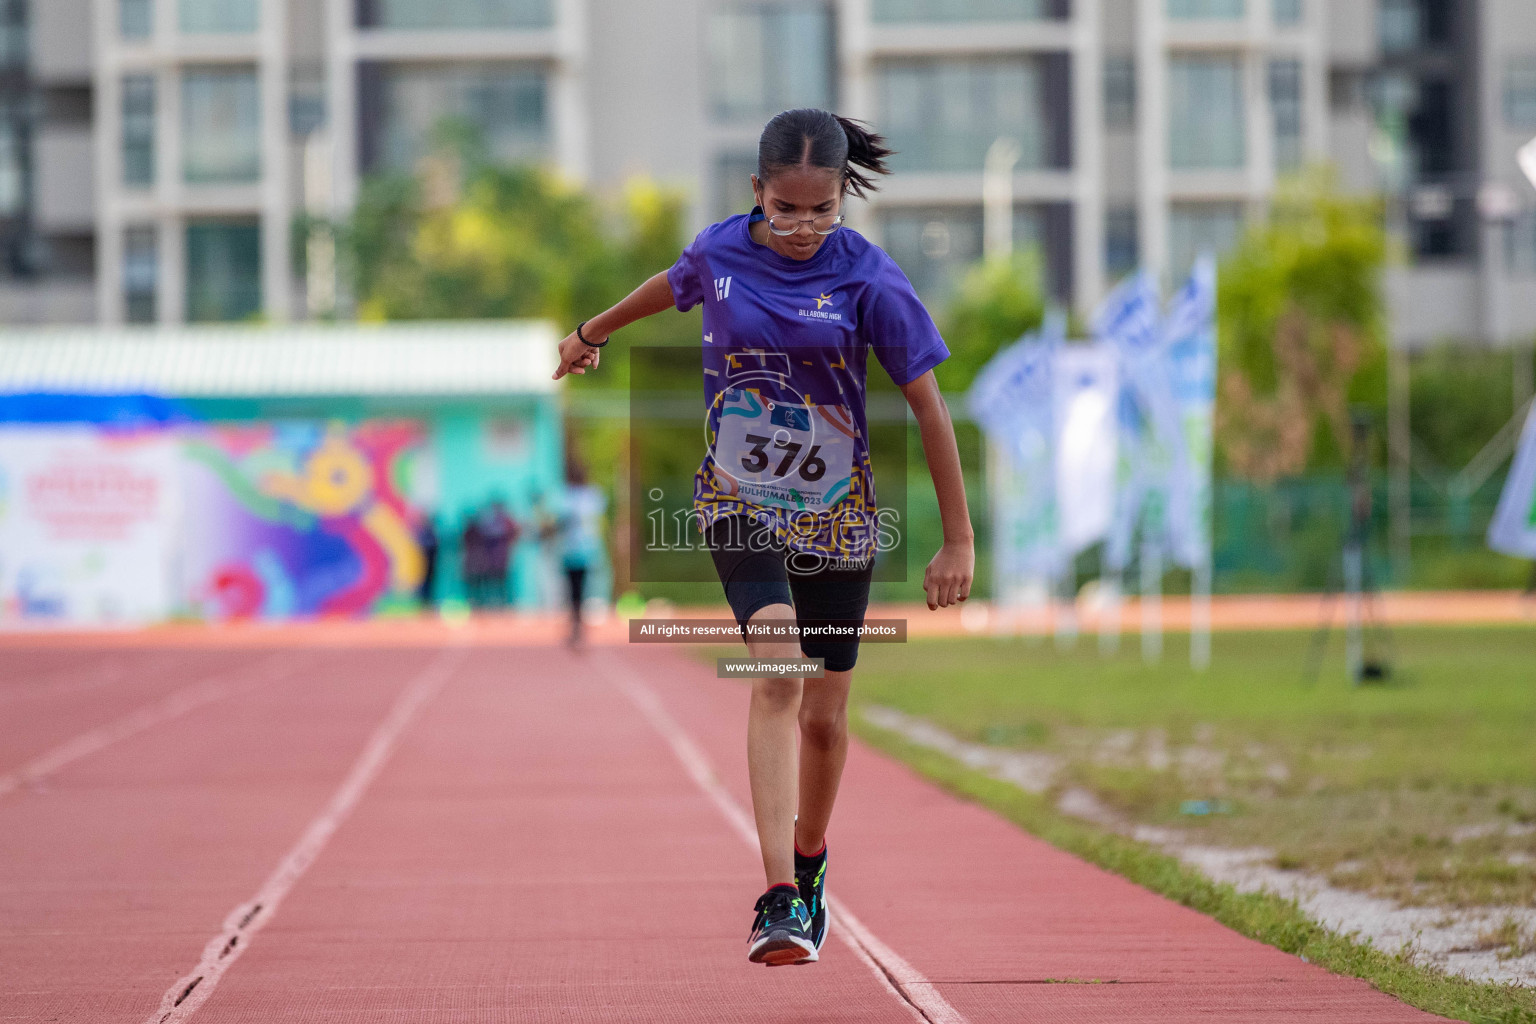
(575, 356)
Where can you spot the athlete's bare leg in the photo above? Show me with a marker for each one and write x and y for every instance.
(772, 728)
(823, 751)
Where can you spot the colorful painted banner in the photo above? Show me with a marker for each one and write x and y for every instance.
(89, 521)
(296, 519)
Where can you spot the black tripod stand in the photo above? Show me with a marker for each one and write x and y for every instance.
(1367, 641)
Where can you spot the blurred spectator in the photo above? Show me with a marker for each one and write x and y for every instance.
(578, 532)
(473, 561)
(426, 539)
(498, 532)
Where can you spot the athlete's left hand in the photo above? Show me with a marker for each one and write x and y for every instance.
(948, 577)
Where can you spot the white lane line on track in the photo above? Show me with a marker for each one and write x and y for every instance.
(182, 999)
(176, 704)
(903, 981)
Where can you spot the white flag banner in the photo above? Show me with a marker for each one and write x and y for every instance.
(88, 526)
(1129, 316)
(1143, 469)
(1190, 346)
(1513, 529)
(995, 395)
(1011, 397)
(1022, 499)
(1085, 388)
(1011, 400)
(1165, 413)
(1151, 454)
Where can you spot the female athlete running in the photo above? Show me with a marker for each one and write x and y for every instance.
(793, 303)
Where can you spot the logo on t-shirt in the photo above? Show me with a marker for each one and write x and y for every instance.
(824, 299)
(722, 288)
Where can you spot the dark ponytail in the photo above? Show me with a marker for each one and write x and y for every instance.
(818, 138)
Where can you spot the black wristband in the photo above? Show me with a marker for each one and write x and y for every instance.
(584, 341)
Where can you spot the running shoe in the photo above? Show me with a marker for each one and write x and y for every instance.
(781, 932)
(811, 879)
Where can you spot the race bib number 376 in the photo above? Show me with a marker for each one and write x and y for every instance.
(782, 454)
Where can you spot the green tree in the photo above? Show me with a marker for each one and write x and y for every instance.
(1301, 329)
(515, 242)
(1460, 396)
(465, 238)
(996, 302)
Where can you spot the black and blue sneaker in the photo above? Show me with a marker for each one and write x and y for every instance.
(811, 879)
(781, 932)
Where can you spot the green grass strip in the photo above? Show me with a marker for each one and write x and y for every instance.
(1262, 916)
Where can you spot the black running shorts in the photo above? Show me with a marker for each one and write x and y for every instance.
(756, 572)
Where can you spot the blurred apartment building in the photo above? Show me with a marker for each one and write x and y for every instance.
(154, 154)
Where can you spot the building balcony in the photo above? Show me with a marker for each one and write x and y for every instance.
(244, 200)
(65, 179)
(1224, 184)
(949, 187)
(427, 45)
(48, 301)
(971, 38)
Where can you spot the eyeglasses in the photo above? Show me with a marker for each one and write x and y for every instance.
(783, 224)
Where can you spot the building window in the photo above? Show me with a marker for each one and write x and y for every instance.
(1397, 25)
(1432, 126)
(766, 59)
(1520, 245)
(306, 112)
(141, 274)
(139, 130)
(1285, 112)
(935, 246)
(1439, 219)
(1520, 91)
(506, 106)
(439, 14)
(1205, 112)
(966, 10)
(1286, 12)
(1119, 92)
(1122, 241)
(13, 33)
(135, 18)
(733, 184)
(1346, 90)
(14, 137)
(68, 255)
(942, 115)
(1192, 10)
(219, 15)
(1196, 228)
(223, 270)
(220, 126)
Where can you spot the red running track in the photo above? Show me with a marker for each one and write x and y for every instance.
(521, 834)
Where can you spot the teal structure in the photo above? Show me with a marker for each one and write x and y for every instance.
(480, 449)
(482, 390)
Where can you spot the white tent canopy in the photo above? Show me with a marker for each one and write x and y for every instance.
(454, 358)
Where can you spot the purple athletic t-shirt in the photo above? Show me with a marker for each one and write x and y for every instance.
(785, 345)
